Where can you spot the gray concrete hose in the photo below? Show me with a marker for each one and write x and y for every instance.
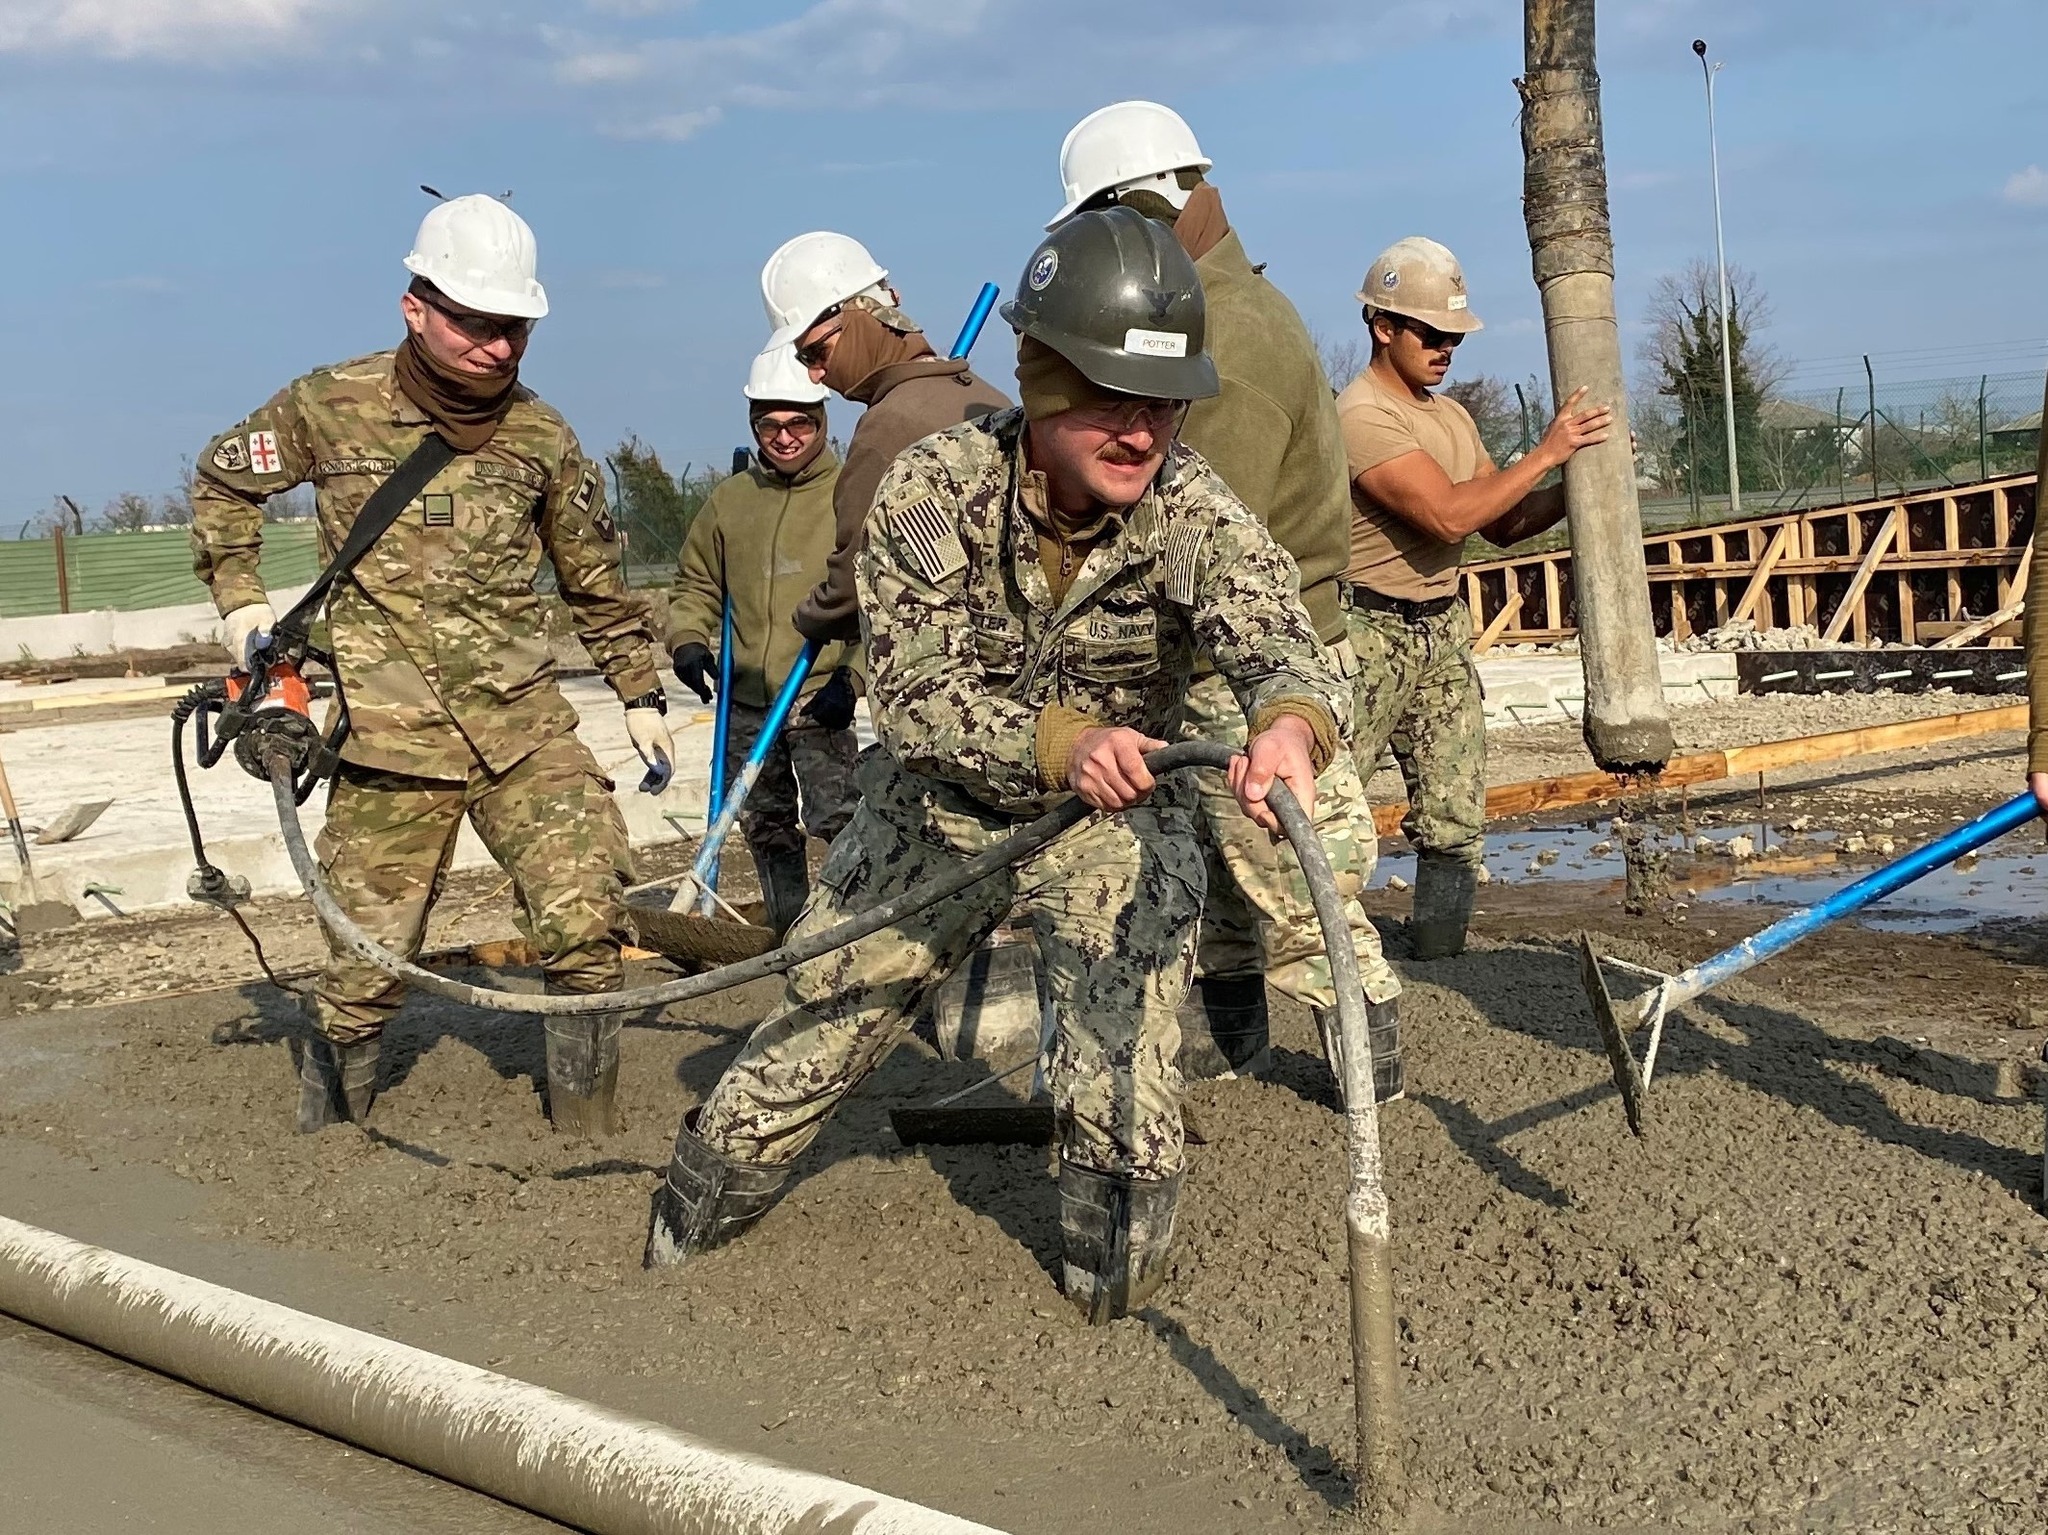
(1368, 1227)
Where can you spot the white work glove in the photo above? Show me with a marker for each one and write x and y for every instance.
(245, 629)
(651, 739)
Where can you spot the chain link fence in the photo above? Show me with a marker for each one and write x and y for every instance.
(1813, 447)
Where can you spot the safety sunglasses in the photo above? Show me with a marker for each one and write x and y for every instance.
(814, 355)
(482, 329)
(798, 427)
(1431, 338)
(1159, 417)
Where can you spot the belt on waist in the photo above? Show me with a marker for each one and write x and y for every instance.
(1366, 600)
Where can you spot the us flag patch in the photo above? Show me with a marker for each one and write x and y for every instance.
(930, 538)
(1183, 561)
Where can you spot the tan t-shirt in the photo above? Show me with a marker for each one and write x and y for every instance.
(1388, 553)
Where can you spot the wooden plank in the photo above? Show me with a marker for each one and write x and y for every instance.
(1908, 634)
(1566, 790)
(1852, 599)
(1931, 634)
(1509, 610)
(1681, 621)
(1553, 602)
(2001, 517)
(1771, 755)
(1959, 635)
(1754, 592)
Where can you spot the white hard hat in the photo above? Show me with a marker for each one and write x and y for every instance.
(481, 254)
(1125, 145)
(777, 375)
(1421, 279)
(809, 275)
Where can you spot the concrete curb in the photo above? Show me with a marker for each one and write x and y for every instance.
(556, 1456)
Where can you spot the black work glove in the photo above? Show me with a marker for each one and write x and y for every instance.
(832, 705)
(694, 665)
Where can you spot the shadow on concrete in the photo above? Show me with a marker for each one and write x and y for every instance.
(1314, 1463)
(1781, 1055)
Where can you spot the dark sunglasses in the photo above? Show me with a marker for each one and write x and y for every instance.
(768, 429)
(814, 355)
(1431, 338)
(481, 329)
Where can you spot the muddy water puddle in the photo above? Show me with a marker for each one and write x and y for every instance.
(1758, 865)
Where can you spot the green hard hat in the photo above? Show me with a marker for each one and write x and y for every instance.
(1117, 296)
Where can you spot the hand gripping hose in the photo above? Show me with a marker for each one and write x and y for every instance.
(1375, 1361)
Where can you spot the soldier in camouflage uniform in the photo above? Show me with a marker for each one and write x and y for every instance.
(1036, 587)
(762, 537)
(1271, 433)
(440, 657)
(1421, 483)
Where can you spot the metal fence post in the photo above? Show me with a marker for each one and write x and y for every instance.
(1983, 440)
(1870, 379)
(63, 575)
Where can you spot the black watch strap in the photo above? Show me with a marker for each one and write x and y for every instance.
(656, 700)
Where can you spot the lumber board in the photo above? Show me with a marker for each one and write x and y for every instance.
(1852, 599)
(1561, 792)
(1766, 756)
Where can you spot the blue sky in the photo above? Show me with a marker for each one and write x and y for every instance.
(204, 198)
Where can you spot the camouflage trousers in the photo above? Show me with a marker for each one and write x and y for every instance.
(1417, 693)
(1258, 915)
(806, 782)
(549, 821)
(1113, 902)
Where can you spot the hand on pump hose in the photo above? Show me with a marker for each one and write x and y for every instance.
(832, 705)
(697, 669)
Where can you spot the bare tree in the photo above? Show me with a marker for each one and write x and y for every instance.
(126, 513)
(1684, 340)
(1343, 357)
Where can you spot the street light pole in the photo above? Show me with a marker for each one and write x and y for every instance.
(1699, 46)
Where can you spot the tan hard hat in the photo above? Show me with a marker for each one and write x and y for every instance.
(1421, 279)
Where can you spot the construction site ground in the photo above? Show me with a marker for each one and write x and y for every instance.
(1815, 1297)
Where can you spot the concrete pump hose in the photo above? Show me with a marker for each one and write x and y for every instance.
(1368, 1227)
(1014, 848)
(536, 1449)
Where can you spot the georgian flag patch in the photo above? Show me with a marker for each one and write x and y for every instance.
(263, 454)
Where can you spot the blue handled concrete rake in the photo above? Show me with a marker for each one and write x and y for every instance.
(1617, 1021)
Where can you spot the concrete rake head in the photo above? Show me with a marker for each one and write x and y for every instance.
(698, 942)
(1617, 1021)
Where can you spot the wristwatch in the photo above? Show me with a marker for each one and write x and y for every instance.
(656, 700)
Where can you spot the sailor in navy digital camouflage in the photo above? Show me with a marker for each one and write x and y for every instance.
(1026, 642)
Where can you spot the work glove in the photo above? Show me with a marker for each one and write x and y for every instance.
(832, 705)
(246, 630)
(651, 739)
(694, 663)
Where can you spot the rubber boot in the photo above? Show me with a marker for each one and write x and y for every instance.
(1444, 891)
(583, 1075)
(707, 1199)
(1116, 1232)
(337, 1083)
(785, 886)
(1224, 1029)
(1383, 1038)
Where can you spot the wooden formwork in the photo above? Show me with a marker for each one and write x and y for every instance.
(1912, 568)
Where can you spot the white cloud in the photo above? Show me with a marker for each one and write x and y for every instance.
(131, 29)
(963, 54)
(673, 127)
(2027, 188)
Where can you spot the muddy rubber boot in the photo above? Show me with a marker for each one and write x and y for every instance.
(1224, 1029)
(785, 886)
(583, 1075)
(706, 1200)
(1116, 1233)
(1383, 1038)
(1444, 891)
(337, 1083)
